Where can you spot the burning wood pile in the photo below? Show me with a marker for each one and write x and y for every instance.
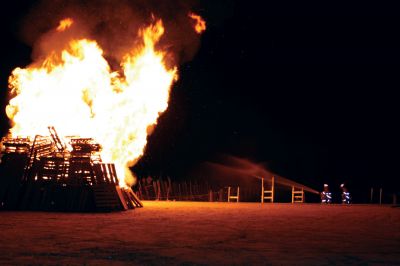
(47, 174)
(109, 90)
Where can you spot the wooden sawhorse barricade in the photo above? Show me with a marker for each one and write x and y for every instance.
(233, 197)
(297, 195)
(267, 194)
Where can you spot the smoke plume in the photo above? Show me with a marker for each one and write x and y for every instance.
(230, 168)
(114, 24)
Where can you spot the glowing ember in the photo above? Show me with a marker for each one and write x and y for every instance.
(64, 24)
(75, 91)
(200, 25)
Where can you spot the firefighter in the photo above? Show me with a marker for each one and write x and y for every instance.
(326, 195)
(346, 197)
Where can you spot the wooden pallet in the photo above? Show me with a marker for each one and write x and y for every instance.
(108, 197)
(132, 200)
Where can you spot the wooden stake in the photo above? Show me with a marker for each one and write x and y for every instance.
(272, 188)
(292, 194)
(262, 190)
(372, 194)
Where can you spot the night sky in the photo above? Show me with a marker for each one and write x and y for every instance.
(308, 89)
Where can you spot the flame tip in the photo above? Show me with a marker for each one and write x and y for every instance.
(64, 24)
(200, 25)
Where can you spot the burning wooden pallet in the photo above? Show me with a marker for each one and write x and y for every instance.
(43, 175)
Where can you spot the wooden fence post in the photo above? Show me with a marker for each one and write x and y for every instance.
(262, 189)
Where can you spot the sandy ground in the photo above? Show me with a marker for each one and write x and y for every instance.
(193, 233)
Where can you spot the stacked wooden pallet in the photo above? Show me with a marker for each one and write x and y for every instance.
(43, 175)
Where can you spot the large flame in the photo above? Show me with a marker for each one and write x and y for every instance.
(76, 92)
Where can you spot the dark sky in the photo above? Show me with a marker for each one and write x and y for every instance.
(309, 89)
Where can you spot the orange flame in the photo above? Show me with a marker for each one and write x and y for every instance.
(76, 92)
(64, 24)
(200, 25)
